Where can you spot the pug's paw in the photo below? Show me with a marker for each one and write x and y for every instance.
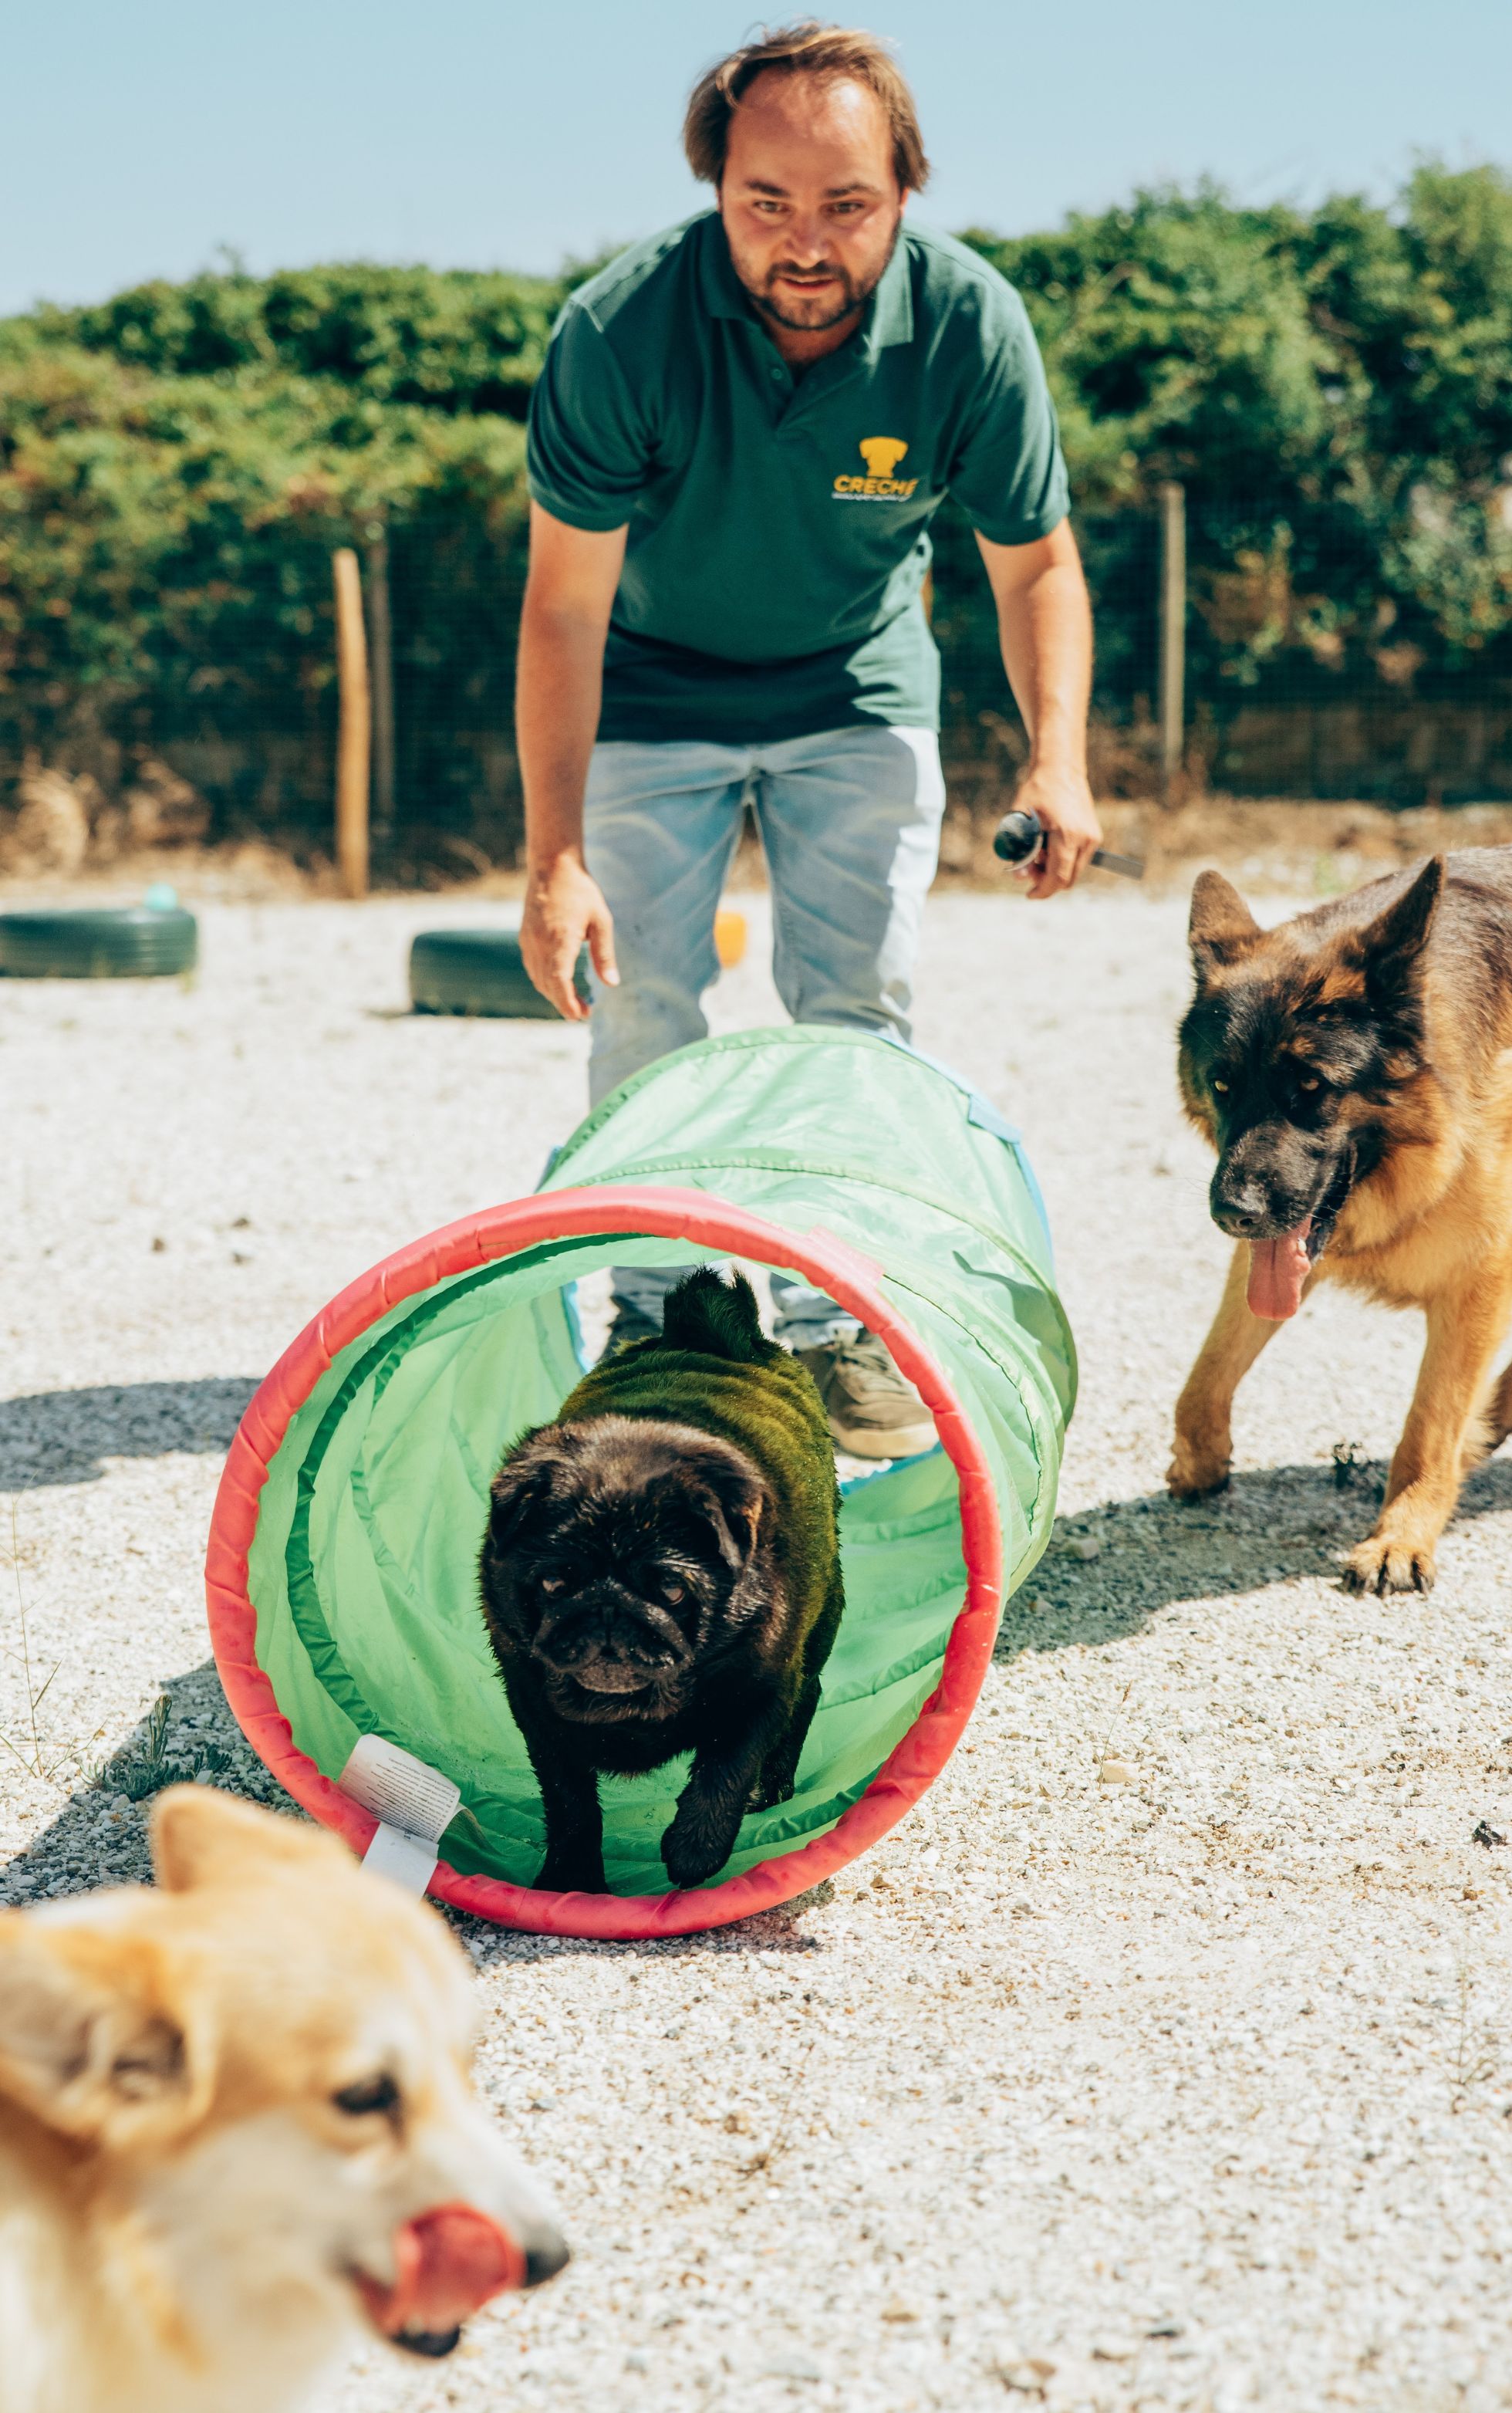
(777, 1779)
(571, 1872)
(771, 1788)
(693, 1851)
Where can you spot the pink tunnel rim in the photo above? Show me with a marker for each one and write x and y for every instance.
(849, 1278)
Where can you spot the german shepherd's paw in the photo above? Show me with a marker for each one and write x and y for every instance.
(1382, 1564)
(1196, 1469)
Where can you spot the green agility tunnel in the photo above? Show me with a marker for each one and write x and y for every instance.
(341, 1571)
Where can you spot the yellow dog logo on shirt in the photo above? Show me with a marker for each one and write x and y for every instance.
(881, 455)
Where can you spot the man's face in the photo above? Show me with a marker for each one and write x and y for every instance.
(810, 199)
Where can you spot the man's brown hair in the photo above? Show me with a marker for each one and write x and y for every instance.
(803, 47)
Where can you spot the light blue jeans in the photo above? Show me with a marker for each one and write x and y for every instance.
(850, 827)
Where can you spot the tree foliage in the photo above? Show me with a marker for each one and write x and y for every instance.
(464, 341)
(177, 466)
(1334, 390)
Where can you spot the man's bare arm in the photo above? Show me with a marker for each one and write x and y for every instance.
(570, 593)
(1045, 629)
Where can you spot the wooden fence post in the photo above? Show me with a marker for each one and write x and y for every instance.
(380, 632)
(1172, 631)
(353, 743)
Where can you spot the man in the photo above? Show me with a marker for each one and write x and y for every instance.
(740, 434)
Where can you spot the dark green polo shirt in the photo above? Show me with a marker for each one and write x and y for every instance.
(778, 526)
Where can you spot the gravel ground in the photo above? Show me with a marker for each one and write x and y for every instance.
(1163, 2057)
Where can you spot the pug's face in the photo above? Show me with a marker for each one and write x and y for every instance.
(617, 1561)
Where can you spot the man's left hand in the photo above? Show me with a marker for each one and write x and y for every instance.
(1045, 623)
(1063, 801)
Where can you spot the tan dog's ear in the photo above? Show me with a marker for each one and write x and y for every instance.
(91, 2042)
(1222, 926)
(1390, 947)
(202, 1837)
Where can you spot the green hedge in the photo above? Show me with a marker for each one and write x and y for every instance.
(1335, 392)
(1333, 388)
(177, 469)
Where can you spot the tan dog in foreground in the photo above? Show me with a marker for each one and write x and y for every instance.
(236, 2123)
(1353, 1068)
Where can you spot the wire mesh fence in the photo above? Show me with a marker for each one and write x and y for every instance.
(1290, 714)
(240, 697)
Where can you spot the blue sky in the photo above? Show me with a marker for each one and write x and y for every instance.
(139, 137)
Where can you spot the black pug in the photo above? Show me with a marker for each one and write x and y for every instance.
(661, 1574)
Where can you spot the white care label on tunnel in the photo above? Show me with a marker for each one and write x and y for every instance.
(413, 1802)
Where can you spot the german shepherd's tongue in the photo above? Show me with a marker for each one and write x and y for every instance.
(447, 2264)
(1278, 1269)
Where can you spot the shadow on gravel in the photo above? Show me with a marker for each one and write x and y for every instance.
(783, 1929)
(62, 1436)
(1271, 1525)
(99, 1835)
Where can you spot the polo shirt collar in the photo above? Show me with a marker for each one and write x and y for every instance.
(723, 295)
(889, 317)
(890, 314)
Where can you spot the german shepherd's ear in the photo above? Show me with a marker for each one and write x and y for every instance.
(1221, 927)
(1389, 949)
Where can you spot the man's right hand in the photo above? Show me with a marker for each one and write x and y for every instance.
(563, 910)
(570, 594)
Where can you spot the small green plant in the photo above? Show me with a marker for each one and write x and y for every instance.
(1106, 1747)
(145, 1771)
(1475, 2056)
(1346, 1463)
(777, 2144)
(160, 1759)
(29, 1752)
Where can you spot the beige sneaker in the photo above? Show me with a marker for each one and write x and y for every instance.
(873, 1412)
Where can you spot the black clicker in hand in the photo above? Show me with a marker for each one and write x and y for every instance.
(1019, 836)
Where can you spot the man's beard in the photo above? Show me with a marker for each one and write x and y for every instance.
(840, 300)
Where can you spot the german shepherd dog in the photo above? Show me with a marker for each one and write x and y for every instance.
(1353, 1068)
